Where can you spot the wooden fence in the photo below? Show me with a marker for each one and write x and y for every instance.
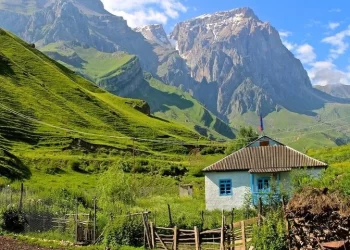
(235, 236)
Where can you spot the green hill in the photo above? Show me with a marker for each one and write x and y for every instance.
(50, 115)
(118, 72)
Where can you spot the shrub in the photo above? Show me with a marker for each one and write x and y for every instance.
(75, 166)
(271, 234)
(13, 220)
(126, 166)
(53, 170)
(208, 151)
(124, 230)
(173, 171)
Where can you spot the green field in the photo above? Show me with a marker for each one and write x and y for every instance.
(166, 102)
(327, 128)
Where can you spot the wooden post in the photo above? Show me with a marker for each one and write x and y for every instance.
(286, 221)
(152, 235)
(20, 205)
(243, 235)
(202, 218)
(175, 239)
(95, 216)
(196, 238)
(133, 151)
(260, 212)
(76, 220)
(146, 230)
(170, 218)
(222, 236)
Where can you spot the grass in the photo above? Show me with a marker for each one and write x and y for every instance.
(302, 132)
(166, 102)
(39, 88)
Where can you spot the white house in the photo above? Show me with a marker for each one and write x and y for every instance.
(250, 170)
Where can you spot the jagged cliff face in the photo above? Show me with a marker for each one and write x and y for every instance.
(83, 21)
(244, 60)
(125, 83)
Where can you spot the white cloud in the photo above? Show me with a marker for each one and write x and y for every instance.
(305, 53)
(339, 45)
(143, 12)
(284, 35)
(335, 10)
(326, 72)
(333, 25)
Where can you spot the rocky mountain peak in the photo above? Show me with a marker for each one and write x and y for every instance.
(244, 60)
(154, 33)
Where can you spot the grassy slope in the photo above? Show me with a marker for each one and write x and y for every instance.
(326, 129)
(36, 86)
(166, 102)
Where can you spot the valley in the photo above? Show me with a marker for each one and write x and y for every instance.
(98, 119)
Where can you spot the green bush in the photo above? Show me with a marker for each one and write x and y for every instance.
(208, 151)
(124, 231)
(271, 234)
(13, 220)
(75, 166)
(173, 171)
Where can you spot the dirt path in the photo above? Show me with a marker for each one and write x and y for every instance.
(7, 243)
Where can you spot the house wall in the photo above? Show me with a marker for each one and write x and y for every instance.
(240, 185)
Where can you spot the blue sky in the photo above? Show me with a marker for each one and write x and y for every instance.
(317, 32)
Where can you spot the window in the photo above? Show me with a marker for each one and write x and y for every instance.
(263, 184)
(264, 143)
(225, 187)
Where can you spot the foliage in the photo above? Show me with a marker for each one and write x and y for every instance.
(212, 150)
(116, 189)
(271, 233)
(245, 136)
(300, 178)
(124, 230)
(13, 220)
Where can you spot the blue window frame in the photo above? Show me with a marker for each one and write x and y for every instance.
(263, 184)
(225, 186)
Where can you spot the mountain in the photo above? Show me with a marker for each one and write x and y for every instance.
(85, 21)
(47, 110)
(337, 90)
(121, 74)
(233, 63)
(245, 63)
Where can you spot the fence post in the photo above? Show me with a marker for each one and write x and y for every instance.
(20, 205)
(222, 236)
(260, 212)
(94, 232)
(196, 238)
(76, 220)
(145, 226)
(286, 222)
(152, 235)
(243, 235)
(170, 217)
(175, 238)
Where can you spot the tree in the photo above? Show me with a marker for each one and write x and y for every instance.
(245, 136)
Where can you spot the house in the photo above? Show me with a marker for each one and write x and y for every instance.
(252, 169)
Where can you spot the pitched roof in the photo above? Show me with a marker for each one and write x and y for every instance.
(266, 159)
